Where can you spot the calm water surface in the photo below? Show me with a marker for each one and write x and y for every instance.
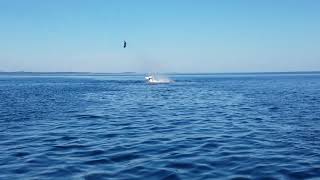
(200, 127)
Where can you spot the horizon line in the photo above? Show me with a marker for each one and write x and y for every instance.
(128, 72)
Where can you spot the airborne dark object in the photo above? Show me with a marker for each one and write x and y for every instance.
(124, 44)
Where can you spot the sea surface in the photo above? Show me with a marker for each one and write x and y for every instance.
(202, 126)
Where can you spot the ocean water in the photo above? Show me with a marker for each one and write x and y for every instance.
(231, 126)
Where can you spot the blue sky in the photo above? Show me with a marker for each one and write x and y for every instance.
(163, 36)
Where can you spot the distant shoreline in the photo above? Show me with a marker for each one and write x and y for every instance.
(139, 73)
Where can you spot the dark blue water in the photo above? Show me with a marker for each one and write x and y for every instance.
(250, 126)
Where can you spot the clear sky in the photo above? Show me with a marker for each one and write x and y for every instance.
(161, 35)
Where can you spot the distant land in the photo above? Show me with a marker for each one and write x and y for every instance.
(136, 73)
(33, 72)
(22, 73)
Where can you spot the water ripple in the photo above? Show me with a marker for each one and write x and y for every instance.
(200, 127)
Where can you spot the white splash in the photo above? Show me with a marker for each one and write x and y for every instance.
(158, 79)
